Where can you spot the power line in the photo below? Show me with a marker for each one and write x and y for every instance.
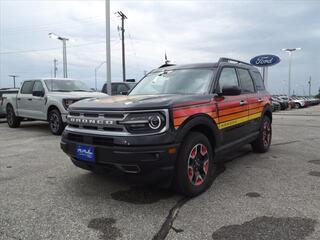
(50, 49)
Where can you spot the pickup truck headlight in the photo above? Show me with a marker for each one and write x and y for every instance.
(68, 102)
(144, 122)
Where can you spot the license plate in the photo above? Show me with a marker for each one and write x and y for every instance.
(85, 153)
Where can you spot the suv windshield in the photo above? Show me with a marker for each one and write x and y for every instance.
(66, 86)
(181, 81)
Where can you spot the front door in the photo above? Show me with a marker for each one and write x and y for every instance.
(38, 102)
(232, 110)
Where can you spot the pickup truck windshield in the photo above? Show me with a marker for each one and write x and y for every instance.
(66, 86)
(180, 81)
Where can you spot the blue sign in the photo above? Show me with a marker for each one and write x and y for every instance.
(265, 60)
(85, 153)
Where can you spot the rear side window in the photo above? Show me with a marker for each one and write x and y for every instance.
(27, 87)
(228, 77)
(258, 81)
(246, 82)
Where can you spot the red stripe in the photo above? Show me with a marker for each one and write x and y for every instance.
(191, 111)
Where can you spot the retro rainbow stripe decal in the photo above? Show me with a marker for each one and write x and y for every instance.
(230, 113)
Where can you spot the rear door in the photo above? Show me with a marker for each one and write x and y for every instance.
(38, 102)
(24, 99)
(252, 98)
(232, 110)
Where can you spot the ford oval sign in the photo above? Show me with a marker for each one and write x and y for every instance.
(265, 60)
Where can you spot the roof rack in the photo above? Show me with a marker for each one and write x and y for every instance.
(232, 60)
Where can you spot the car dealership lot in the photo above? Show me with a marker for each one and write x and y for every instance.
(258, 196)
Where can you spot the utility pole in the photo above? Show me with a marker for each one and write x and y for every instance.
(55, 69)
(123, 17)
(14, 79)
(108, 54)
(309, 82)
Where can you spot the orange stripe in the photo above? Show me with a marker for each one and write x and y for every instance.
(255, 110)
(233, 116)
(255, 105)
(179, 120)
(232, 110)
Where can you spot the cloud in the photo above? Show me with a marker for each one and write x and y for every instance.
(189, 31)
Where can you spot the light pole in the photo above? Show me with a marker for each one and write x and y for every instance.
(14, 79)
(64, 51)
(290, 51)
(108, 48)
(95, 73)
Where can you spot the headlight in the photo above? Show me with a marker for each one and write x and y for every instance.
(144, 122)
(68, 102)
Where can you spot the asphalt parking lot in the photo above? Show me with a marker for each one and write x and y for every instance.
(270, 196)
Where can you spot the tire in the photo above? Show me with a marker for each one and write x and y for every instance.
(263, 141)
(297, 105)
(55, 122)
(12, 120)
(195, 168)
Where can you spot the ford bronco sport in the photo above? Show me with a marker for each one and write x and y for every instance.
(177, 121)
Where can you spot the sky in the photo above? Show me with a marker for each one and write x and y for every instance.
(188, 31)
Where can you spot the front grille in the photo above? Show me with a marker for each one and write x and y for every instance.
(101, 141)
(101, 121)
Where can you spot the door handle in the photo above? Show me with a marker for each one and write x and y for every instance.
(242, 102)
(18, 99)
(30, 99)
(260, 100)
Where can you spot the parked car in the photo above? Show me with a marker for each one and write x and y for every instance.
(4, 92)
(275, 105)
(176, 123)
(119, 88)
(47, 100)
(298, 102)
(284, 103)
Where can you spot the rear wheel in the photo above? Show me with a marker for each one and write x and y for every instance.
(55, 122)
(195, 168)
(12, 119)
(297, 105)
(263, 141)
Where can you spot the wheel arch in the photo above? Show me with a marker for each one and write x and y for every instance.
(267, 111)
(50, 108)
(200, 123)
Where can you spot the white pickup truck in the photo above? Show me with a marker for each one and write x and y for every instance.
(46, 99)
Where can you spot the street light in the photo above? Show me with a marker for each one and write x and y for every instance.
(95, 73)
(64, 40)
(290, 51)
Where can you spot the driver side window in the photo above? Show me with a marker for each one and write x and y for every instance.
(228, 77)
(38, 87)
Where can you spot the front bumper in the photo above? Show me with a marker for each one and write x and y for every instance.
(155, 161)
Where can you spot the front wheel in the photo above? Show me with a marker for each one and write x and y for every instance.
(12, 119)
(55, 122)
(263, 141)
(195, 167)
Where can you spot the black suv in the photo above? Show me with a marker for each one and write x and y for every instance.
(178, 121)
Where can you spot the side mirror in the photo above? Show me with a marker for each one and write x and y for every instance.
(38, 93)
(231, 91)
(124, 93)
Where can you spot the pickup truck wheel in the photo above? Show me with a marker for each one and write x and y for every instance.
(263, 141)
(55, 122)
(12, 119)
(195, 168)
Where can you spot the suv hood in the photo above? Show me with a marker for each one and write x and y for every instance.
(77, 95)
(139, 102)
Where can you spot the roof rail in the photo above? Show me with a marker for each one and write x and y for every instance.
(232, 60)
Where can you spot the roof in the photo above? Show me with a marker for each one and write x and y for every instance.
(221, 62)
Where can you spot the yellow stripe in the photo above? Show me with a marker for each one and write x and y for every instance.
(239, 120)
